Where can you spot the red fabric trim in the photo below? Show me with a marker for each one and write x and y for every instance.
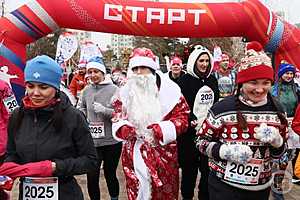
(257, 72)
(29, 105)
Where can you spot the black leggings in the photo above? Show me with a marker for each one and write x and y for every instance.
(110, 155)
(218, 190)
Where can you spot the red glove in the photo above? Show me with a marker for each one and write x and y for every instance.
(157, 132)
(6, 183)
(39, 169)
(126, 132)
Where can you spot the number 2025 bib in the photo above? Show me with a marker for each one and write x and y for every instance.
(36, 188)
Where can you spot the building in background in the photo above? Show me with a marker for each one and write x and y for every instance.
(120, 42)
(82, 35)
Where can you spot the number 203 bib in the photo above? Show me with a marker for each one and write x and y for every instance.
(244, 173)
(35, 188)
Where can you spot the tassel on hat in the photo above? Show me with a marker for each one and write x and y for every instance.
(255, 65)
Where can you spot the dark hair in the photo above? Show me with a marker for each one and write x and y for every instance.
(57, 116)
(242, 121)
(207, 69)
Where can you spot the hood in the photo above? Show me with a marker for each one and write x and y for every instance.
(198, 49)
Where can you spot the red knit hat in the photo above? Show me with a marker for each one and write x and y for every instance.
(176, 60)
(255, 65)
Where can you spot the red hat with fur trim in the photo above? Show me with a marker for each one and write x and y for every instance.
(255, 65)
(143, 57)
(82, 64)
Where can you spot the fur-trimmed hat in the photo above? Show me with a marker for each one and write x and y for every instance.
(285, 67)
(82, 64)
(143, 57)
(43, 69)
(96, 62)
(255, 65)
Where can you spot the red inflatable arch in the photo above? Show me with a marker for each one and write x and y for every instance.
(250, 19)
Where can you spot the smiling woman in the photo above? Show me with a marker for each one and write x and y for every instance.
(244, 131)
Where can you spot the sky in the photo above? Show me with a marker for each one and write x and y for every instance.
(103, 39)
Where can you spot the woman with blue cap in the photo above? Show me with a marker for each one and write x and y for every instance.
(48, 134)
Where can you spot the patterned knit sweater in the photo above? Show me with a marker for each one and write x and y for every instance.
(221, 127)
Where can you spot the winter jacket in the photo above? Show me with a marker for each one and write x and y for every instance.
(175, 79)
(296, 121)
(5, 92)
(288, 95)
(71, 148)
(77, 84)
(100, 93)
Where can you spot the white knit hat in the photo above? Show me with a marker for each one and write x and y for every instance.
(96, 63)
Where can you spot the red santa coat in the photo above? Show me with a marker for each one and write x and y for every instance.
(152, 171)
(5, 92)
(296, 121)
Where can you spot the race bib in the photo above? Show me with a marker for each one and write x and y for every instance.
(203, 101)
(35, 188)
(244, 173)
(10, 103)
(97, 129)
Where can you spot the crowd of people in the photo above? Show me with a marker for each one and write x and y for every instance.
(233, 123)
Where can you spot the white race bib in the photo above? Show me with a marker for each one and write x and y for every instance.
(97, 129)
(10, 103)
(203, 101)
(35, 188)
(244, 173)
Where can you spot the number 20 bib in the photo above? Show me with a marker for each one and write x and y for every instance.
(244, 173)
(40, 188)
(10, 103)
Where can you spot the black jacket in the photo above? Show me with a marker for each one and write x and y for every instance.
(71, 148)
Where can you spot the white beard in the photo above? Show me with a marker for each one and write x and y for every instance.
(142, 104)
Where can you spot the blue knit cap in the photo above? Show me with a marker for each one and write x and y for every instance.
(43, 69)
(284, 67)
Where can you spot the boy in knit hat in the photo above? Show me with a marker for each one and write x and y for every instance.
(243, 132)
(150, 112)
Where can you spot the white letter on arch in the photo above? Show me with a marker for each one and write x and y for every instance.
(117, 16)
(134, 11)
(160, 17)
(172, 18)
(197, 13)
